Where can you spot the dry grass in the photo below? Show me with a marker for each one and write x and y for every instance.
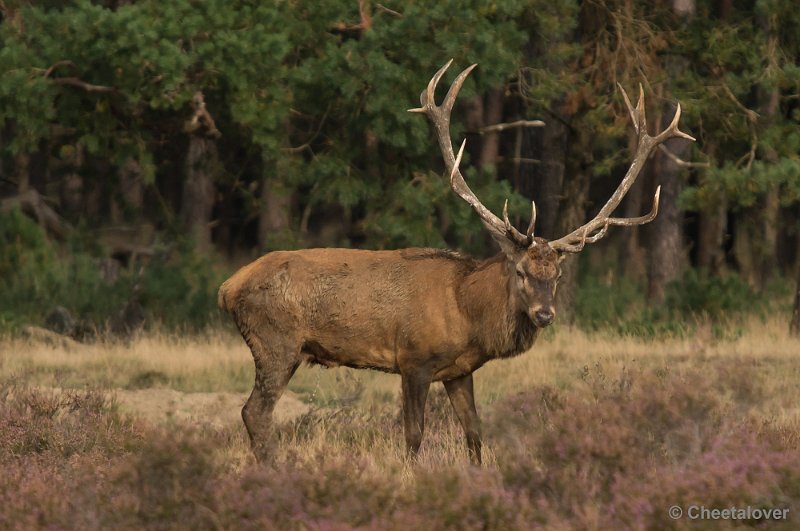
(679, 395)
(221, 362)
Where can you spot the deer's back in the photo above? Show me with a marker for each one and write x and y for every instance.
(347, 291)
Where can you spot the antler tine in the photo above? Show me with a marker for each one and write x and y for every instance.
(618, 222)
(641, 113)
(507, 223)
(455, 171)
(532, 224)
(602, 232)
(646, 143)
(455, 88)
(641, 220)
(628, 105)
(510, 228)
(638, 112)
(440, 117)
(672, 130)
(576, 247)
(427, 96)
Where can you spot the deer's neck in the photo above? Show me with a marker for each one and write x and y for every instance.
(500, 329)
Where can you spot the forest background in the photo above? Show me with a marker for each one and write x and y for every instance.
(148, 148)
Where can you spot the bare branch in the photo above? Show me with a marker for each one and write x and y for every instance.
(88, 87)
(752, 116)
(679, 161)
(59, 64)
(511, 125)
(365, 23)
(33, 204)
(524, 160)
(389, 11)
(307, 144)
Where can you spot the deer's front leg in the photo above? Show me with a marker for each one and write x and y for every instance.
(415, 392)
(462, 397)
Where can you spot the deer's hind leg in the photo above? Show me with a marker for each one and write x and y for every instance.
(276, 360)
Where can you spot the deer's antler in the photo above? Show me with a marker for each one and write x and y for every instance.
(439, 115)
(598, 226)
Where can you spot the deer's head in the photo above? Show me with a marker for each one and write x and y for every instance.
(533, 278)
(533, 264)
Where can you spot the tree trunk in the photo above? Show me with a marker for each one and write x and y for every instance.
(743, 246)
(757, 226)
(130, 195)
(711, 238)
(274, 219)
(711, 231)
(573, 214)
(492, 114)
(197, 201)
(667, 256)
(473, 121)
(202, 166)
(551, 177)
(770, 204)
(767, 244)
(22, 171)
(794, 326)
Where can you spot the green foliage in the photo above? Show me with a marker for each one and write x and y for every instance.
(600, 305)
(698, 293)
(740, 95)
(696, 297)
(274, 76)
(36, 276)
(315, 98)
(181, 292)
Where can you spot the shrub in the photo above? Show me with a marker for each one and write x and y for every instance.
(36, 275)
(612, 453)
(606, 451)
(697, 296)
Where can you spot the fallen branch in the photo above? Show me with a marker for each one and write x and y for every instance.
(525, 160)
(679, 161)
(88, 87)
(511, 125)
(33, 204)
(389, 11)
(57, 65)
(73, 81)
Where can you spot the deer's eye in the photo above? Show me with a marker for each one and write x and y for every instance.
(520, 274)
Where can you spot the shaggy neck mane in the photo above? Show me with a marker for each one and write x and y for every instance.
(500, 329)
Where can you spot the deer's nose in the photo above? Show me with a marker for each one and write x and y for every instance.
(543, 317)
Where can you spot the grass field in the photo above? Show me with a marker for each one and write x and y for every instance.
(584, 431)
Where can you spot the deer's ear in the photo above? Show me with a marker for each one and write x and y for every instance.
(509, 247)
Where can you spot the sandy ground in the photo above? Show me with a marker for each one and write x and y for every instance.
(214, 409)
(217, 410)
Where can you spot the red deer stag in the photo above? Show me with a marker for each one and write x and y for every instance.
(429, 315)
